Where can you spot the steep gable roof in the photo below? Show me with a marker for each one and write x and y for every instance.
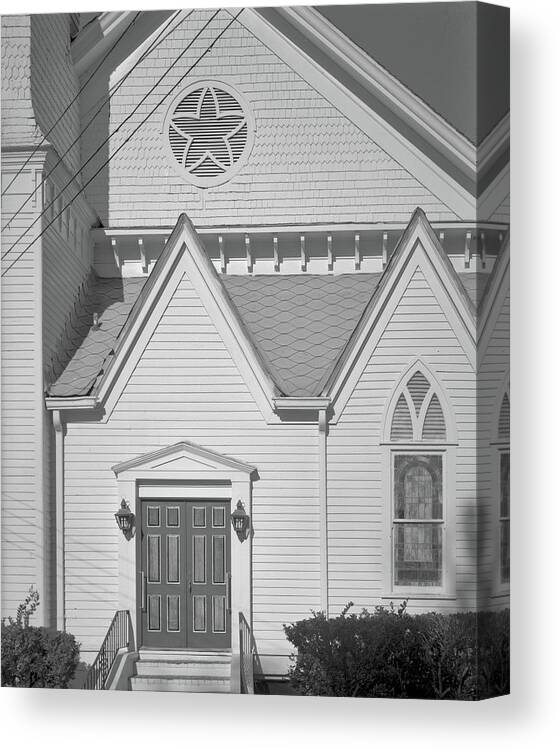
(300, 328)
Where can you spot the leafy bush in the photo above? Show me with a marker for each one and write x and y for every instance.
(390, 653)
(35, 656)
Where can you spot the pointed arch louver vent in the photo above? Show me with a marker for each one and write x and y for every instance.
(504, 419)
(208, 133)
(418, 386)
(401, 421)
(434, 425)
(418, 414)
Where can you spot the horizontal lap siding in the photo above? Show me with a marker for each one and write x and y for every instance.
(494, 369)
(357, 497)
(308, 163)
(19, 419)
(20, 343)
(188, 388)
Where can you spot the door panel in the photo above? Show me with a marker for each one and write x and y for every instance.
(209, 539)
(184, 574)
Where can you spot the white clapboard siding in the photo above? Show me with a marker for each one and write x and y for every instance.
(20, 418)
(286, 560)
(357, 494)
(38, 82)
(492, 381)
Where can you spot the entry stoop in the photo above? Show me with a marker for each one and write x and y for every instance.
(183, 671)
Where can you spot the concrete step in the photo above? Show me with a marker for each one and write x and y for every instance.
(145, 654)
(198, 684)
(208, 667)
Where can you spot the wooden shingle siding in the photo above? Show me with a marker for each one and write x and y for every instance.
(308, 163)
(54, 84)
(186, 386)
(63, 275)
(18, 123)
(358, 490)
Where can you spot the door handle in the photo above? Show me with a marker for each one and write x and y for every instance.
(228, 591)
(143, 591)
(190, 588)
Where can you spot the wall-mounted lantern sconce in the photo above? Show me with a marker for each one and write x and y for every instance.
(125, 519)
(240, 521)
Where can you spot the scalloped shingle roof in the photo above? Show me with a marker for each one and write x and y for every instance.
(300, 324)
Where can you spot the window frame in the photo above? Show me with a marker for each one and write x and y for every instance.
(503, 519)
(500, 587)
(500, 445)
(409, 591)
(419, 447)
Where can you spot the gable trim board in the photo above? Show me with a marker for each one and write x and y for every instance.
(418, 242)
(401, 99)
(456, 197)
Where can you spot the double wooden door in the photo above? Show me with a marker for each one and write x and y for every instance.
(184, 587)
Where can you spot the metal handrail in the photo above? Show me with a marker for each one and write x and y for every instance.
(118, 637)
(247, 650)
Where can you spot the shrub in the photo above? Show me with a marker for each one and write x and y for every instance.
(390, 653)
(35, 656)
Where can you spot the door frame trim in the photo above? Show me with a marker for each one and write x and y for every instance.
(180, 466)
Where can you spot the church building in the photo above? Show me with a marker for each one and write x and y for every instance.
(255, 325)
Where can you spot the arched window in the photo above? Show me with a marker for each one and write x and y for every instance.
(417, 443)
(503, 443)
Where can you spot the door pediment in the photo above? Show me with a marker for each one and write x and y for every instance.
(186, 460)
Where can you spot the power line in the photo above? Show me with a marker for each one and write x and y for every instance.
(73, 101)
(165, 96)
(107, 139)
(105, 101)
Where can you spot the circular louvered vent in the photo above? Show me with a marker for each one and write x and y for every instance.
(209, 132)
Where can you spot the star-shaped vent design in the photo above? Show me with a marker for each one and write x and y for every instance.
(208, 132)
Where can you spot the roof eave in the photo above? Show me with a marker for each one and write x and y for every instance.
(301, 403)
(69, 403)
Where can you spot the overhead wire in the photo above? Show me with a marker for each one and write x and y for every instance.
(71, 103)
(104, 101)
(127, 139)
